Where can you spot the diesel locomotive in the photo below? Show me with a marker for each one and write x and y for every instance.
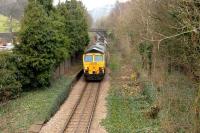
(94, 61)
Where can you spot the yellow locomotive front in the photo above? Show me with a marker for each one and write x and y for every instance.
(94, 64)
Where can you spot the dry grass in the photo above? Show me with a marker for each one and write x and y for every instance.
(176, 99)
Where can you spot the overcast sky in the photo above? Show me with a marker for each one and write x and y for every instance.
(91, 4)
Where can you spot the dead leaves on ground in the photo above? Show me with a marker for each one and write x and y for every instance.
(127, 79)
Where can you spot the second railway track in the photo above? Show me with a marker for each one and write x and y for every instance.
(81, 116)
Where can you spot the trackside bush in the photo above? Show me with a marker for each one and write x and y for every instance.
(9, 86)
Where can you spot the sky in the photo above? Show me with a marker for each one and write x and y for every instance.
(91, 4)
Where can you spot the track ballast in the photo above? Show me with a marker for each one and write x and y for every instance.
(81, 116)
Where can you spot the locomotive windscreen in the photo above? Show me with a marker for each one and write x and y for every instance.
(88, 58)
(98, 58)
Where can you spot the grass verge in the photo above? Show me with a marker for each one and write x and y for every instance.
(128, 102)
(126, 115)
(31, 107)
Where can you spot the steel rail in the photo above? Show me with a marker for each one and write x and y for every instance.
(93, 89)
(93, 109)
(76, 131)
(74, 108)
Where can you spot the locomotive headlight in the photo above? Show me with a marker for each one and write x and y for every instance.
(87, 69)
(101, 69)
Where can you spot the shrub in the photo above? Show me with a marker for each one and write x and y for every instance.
(9, 86)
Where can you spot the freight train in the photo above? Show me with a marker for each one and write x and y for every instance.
(94, 61)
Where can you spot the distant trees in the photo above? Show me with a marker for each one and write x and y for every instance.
(14, 8)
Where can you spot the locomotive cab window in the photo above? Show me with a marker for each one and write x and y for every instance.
(98, 58)
(88, 58)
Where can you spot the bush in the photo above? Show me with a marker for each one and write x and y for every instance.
(9, 86)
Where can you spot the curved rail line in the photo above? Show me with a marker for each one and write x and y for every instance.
(82, 114)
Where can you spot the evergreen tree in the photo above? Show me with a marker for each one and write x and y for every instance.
(61, 40)
(47, 4)
(48, 37)
(76, 25)
(40, 49)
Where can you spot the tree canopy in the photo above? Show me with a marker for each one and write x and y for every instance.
(48, 37)
(75, 24)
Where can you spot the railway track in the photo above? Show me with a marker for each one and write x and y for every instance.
(80, 118)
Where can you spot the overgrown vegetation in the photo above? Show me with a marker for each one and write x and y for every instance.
(131, 100)
(37, 106)
(165, 36)
(171, 27)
